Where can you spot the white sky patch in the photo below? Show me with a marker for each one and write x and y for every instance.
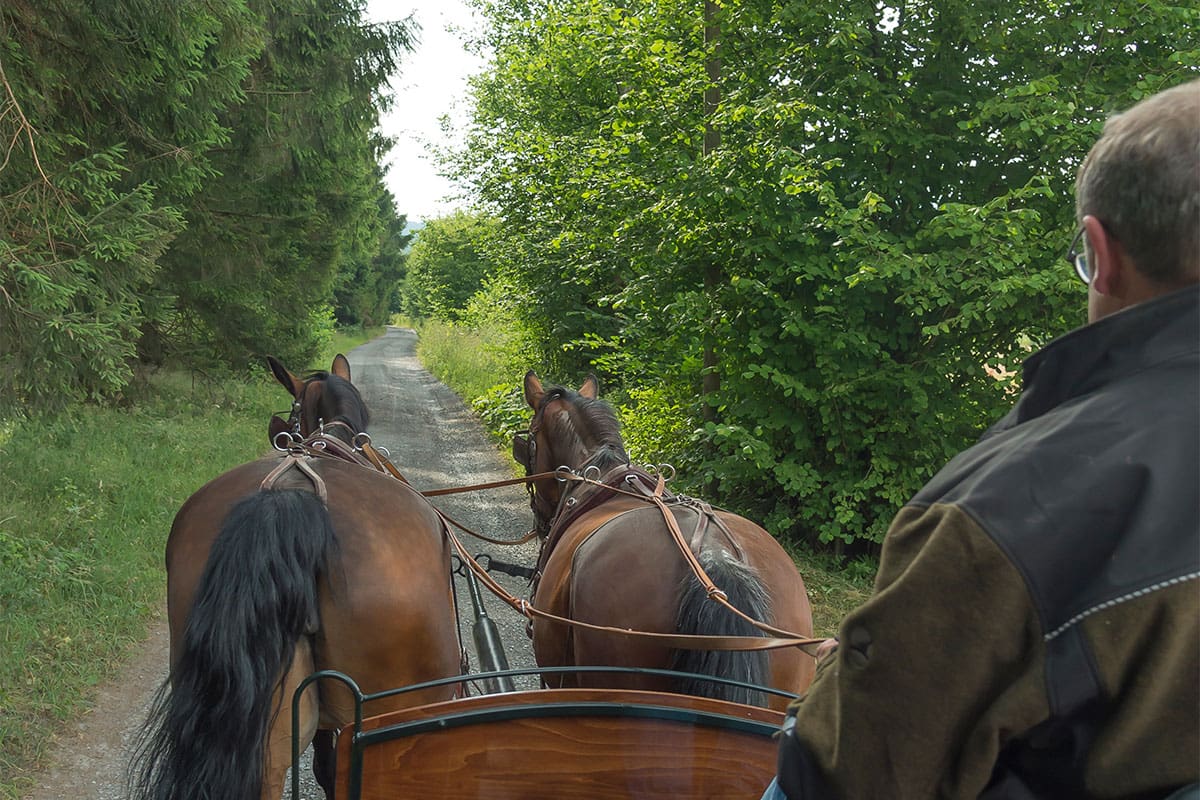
(432, 83)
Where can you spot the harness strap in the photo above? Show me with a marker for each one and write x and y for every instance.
(298, 461)
(490, 485)
(381, 463)
(677, 640)
(780, 638)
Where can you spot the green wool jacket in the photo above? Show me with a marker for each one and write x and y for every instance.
(1034, 631)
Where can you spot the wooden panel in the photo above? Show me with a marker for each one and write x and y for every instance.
(568, 753)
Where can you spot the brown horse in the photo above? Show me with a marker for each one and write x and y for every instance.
(298, 562)
(609, 559)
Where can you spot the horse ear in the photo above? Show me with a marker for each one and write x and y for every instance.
(533, 389)
(341, 367)
(591, 387)
(287, 379)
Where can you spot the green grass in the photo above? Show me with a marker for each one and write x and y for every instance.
(470, 362)
(834, 589)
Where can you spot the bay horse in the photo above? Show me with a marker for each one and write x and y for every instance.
(608, 559)
(297, 562)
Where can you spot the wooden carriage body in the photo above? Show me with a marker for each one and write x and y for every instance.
(565, 744)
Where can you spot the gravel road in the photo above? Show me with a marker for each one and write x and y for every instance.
(436, 442)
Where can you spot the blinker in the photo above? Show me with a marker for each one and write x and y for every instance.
(523, 450)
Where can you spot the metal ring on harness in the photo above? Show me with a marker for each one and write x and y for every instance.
(288, 440)
(562, 473)
(591, 472)
(663, 468)
(360, 440)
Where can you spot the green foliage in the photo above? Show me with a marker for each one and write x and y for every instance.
(106, 112)
(263, 259)
(88, 500)
(366, 289)
(188, 182)
(876, 236)
(476, 364)
(448, 264)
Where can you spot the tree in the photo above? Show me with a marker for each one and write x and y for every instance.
(888, 208)
(299, 197)
(367, 287)
(108, 114)
(448, 264)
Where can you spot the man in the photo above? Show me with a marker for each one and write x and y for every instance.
(1034, 631)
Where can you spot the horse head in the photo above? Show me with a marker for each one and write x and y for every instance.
(322, 401)
(571, 429)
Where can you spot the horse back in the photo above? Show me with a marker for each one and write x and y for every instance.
(386, 606)
(619, 566)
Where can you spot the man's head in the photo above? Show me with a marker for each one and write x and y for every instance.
(1138, 200)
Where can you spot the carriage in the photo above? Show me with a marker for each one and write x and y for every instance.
(310, 597)
(565, 744)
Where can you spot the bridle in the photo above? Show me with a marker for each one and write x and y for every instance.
(294, 425)
(525, 453)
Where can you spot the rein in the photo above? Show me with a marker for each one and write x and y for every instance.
(778, 638)
(322, 444)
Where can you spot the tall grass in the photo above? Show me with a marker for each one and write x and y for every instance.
(471, 362)
(481, 367)
(88, 499)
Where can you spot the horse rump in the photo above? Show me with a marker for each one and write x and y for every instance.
(699, 615)
(257, 595)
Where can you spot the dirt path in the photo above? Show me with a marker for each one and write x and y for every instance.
(436, 442)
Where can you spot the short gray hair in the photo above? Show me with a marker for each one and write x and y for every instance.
(1142, 181)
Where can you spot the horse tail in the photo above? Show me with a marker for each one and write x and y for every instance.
(257, 596)
(700, 615)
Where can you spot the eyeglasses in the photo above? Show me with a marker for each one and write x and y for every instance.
(1078, 258)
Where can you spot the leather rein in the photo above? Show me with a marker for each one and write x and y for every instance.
(322, 444)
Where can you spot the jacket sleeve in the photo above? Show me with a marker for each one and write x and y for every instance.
(933, 674)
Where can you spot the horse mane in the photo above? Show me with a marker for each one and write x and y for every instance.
(591, 420)
(345, 397)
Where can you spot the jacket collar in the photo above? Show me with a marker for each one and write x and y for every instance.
(1120, 344)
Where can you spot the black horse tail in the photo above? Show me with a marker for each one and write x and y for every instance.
(257, 596)
(700, 615)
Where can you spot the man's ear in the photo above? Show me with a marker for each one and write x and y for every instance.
(1106, 259)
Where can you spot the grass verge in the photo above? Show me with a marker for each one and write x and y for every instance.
(88, 501)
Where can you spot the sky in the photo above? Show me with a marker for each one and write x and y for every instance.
(431, 83)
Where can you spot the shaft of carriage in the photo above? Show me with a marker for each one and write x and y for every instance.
(488, 645)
